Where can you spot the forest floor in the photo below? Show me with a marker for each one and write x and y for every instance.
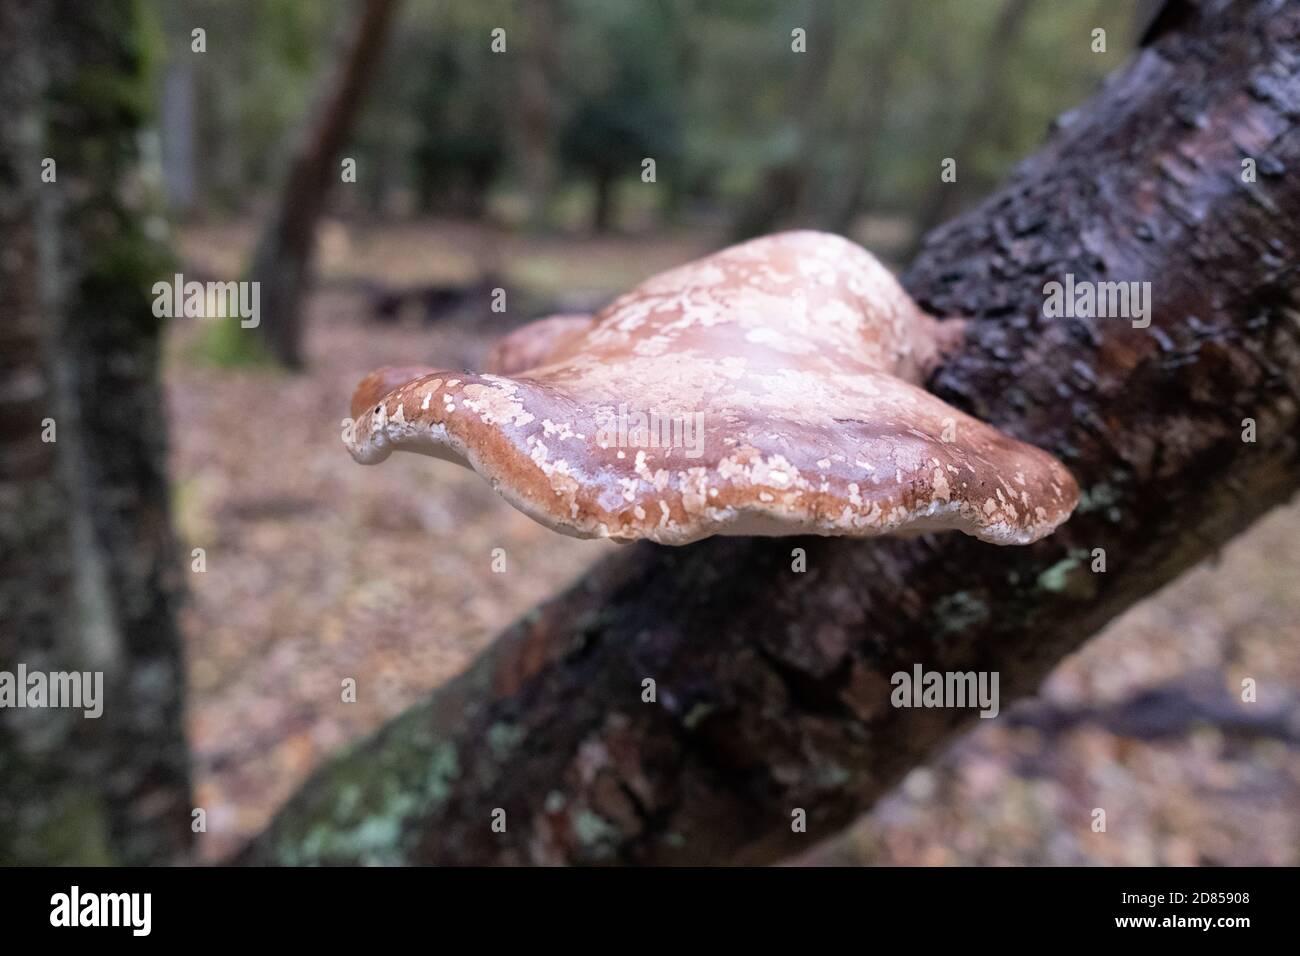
(319, 570)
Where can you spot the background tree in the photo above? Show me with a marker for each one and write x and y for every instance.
(980, 116)
(538, 106)
(840, 205)
(626, 112)
(787, 184)
(282, 261)
(89, 574)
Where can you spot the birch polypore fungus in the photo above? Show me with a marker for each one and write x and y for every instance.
(770, 389)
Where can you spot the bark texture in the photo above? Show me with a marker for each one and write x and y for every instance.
(283, 259)
(773, 686)
(88, 569)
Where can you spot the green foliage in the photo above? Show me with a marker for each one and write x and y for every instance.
(253, 84)
(225, 343)
(622, 83)
(709, 88)
(459, 144)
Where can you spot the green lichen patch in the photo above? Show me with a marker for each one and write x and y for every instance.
(958, 611)
(362, 807)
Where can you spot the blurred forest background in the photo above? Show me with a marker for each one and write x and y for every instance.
(522, 170)
(551, 133)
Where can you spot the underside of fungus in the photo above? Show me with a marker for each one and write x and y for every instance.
(773, 388)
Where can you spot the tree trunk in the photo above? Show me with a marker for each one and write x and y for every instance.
(535, 109)
(785, 187)
(89, 573)
(282, 262)
(176, 128)
(604, 210)
(981, 117)
(772, 686)
(846, 200)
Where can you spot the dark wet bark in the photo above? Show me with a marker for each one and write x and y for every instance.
(283, 259)
(89, 573)
(773, 686)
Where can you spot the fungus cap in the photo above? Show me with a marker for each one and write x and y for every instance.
(772, 388)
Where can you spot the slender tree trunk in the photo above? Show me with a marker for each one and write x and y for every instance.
(177, 134)
(981, 116)
(535, 109)
(872, 111)
(786, 186)
(773, 687)
(604, 212)
(282, 262)
(89, 573)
